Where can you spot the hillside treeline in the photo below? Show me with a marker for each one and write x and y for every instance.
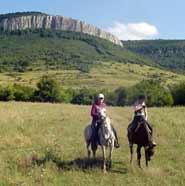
(30, 50)
(49, 90)
(167, 53)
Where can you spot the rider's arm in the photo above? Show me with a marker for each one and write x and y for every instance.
(146, 113)
(137, 107)
(93, 112)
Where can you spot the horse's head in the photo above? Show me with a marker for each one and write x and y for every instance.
(105, 124)
(150, 152)
(102, 114)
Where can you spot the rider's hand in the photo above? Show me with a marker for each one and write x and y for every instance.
(138, 107)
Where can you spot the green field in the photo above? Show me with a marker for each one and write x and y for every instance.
(42, 144)
(109, 75)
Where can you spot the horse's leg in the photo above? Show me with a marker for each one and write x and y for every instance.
(104, 158)
(146, 157)
(139, 156)
(131, 154)
(110, 154)
(88, 149)
(94, 154)
(94, 148)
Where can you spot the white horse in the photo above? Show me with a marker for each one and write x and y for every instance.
(106, 138)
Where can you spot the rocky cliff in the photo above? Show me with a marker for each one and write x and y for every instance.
(23, 21)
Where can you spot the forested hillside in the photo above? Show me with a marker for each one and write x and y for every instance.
(169, 54)
(44, 49)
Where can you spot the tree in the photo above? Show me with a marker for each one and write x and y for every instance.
(121, 95)
(7, 93)
(84, 96)
(156, 94)
(23, 93)
(178, 92)
(48, 90)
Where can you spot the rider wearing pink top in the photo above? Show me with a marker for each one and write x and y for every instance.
(98, 105)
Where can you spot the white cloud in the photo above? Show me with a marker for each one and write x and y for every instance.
(133, 31)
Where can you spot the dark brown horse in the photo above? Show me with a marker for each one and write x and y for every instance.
(141, 139)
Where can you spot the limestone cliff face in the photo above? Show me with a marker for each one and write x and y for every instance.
(55, 23)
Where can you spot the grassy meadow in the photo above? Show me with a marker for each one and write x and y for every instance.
(109, 75)
(42, 145)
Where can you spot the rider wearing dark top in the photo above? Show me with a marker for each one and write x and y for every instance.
(99, 104)
(141, 116)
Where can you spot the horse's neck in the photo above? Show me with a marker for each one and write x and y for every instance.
(106, 127)
(108, 122)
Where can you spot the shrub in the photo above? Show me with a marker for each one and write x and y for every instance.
(178, 92)
(23, 93)
(48, 90)
(7, 93)
(156, 94)
(84, 96)
(121, 96)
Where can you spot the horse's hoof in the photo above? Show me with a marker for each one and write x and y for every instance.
(104, 171)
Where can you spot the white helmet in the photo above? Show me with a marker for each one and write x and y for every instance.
(100, 96)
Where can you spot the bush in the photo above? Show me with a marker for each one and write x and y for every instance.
(48, 90)
(117, 97)
(110, 98)
(7, 93)
(23, 93)
(84, 96)
(156, 94)
(121, 96)
(178, 92)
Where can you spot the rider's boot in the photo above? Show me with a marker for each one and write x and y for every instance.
(116, 143)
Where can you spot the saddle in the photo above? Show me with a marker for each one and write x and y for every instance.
(145, 126)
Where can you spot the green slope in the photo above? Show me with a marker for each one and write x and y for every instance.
(43, 49)
(67, 55)
(109, 75)
(169, 54)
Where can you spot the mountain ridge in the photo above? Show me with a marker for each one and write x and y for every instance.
(38, 20)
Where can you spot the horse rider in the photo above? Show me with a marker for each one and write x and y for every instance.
(99, 104)
(141, 116)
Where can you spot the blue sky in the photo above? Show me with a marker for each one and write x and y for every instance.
(128, 19)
